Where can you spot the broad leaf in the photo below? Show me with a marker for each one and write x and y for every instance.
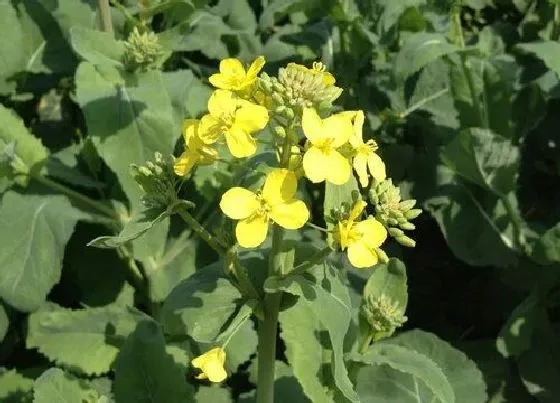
(200, 305)
(97, 47)
(418, 50)
(137, 119)
(214, 394)
(86, 340)
(327, 306)
(14, 387)
(11, 57)
(144, 372)
(547, 51)
(484, 158)
(54, 385)
(30, 263)
(388, 279)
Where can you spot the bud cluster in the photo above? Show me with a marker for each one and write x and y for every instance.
(298, 87)
(382, 315)
(394, 213)
(157, 180)
(142, 51)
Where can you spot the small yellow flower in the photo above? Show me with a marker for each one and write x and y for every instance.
(365, 156)
(322, 161)
(275, 202)
(211, 363)
(232, 75)
(318, 68)
(236, 119)
(362, 238)
(196, 151)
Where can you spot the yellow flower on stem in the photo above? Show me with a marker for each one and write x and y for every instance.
(322, 161)
(232, 75)
(236, 119)
(365, 156)
(362, 238)
(318, 69)
(196, 151)
(211, 363)
(254, 210)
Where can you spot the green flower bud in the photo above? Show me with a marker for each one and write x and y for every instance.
(157, 181)
(406, 205)
(142, 51)
(406, 241)
(382, 255)
(412, 214)
(280, 131)
(407, 226)
(382, 315)
(395, 232)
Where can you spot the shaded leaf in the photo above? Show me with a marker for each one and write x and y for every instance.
(14, 387)
(54, 385)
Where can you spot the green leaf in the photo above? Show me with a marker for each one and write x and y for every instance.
(137, 119)
(85, 340)
(133, 229)
(547, 248)
(463, 375)
(516, 335)
(477, 227)
(30, 263)
(28, 150)
(4, 322)
(214, 394)
(392, 11)
(97, 47)
(484, 158)
(188, 95)
(14, 387)
(11, 56)
(325, 305)
(425, 381)
(547, 51)
(388, 279)
(419, 50)
(64, 165)
(144, 372)
(54, 385)
(200, 305)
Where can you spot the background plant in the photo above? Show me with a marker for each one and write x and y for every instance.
(461, 100)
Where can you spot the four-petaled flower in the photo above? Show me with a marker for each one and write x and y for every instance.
(322, 161)
(362, 238)
(254, 210)
(236, 119)
(211, 363)
(233, 77)
(196, 151)
(365, 156)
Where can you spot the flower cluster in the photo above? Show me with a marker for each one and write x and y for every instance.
(142, 51)
(382, 315)
(310, 143)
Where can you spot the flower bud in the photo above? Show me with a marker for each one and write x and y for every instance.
(142, 51)
(157, 181)
(382, 315)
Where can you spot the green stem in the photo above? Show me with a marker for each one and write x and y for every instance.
(317, 258)
(365, 343)
(105, 15)
(200, 231)
(100, 207)
(556, 26)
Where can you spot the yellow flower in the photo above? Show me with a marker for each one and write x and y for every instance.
(318, 68)
(211, 363)
(362, 238)
(232, 75)
(236, 119)
(276, 202)
(365, 156)
(322, 161)
(196, 151)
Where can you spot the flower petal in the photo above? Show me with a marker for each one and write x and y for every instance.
(251, 232)
(280, 186)
(251, 117)
(291, 215)
(222, 102)
(209, 129)
(255, 68)
(337, 168)
(339, 128)
(360, 165)
(356, 211)
(373, 232)
(185, 162)
(211, 364)
(357, 139)
(239, 203)
(314, 164)
(377, 167)
(190, 129)
(312, 125)
(361, 255)
(240, 143)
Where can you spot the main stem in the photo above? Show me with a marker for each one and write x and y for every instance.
(105, 15)
(266, 350)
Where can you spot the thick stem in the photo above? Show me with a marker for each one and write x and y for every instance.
(105, 15)
(99, 206)
(365, 343)
(200, 231)
(267, 348)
